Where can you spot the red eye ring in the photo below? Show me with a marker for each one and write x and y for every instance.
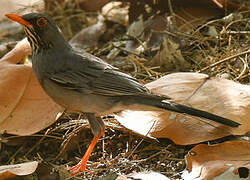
(41, 22)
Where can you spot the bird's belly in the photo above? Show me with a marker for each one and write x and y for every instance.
(78, 101)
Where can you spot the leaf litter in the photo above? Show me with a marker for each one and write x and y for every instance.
(218, 47)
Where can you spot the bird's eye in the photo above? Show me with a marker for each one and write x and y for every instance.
(41, 22)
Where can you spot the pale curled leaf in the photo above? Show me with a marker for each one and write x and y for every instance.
(145, 175)
(116, 12)
(219, 96)
(16, 5)
(217, 161)
(19, 169)
(16, 55)
(24, 107)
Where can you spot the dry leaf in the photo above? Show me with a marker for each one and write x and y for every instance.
(221, 160)
(24, 107)
(22, 169)
(92, 5)
(147, 175)
(15, 5)
(89, 36)
(135, 30)
(219, 96)
(169, 57)
(188, 13)
(116, 12)
(184, 17)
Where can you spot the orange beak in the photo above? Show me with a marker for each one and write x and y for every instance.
(18, 18)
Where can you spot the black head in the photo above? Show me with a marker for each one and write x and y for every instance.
(41, 30)
(41, 23)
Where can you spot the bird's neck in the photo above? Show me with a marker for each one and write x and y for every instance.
(41, 44)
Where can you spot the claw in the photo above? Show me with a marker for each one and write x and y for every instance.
(80, 167)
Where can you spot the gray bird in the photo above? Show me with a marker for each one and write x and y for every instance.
(84, 83)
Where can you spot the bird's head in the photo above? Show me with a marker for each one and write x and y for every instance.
(40, 29)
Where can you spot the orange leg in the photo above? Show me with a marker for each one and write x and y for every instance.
(81, 166)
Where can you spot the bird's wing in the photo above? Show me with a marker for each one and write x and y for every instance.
(97, 77)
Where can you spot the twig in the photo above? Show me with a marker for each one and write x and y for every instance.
(69, 136)
(149, 71)
(38, 143)
(218, 4)
(231, 23)
(204, 25)
(141, 140)
(156, 154)
(125, 50)
(34, 135)
(137, 39)
(196, 90)
(224, 60)
(238, 32)
(170, 7)
(14, 155)
(245, 67)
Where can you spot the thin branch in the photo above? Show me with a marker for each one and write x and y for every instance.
(224, 60)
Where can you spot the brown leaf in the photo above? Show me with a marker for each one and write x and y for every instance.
(89, 36)
(24, 106)
(22, 169)
(219, 96)
(221, 160)
(92, 5)
(169, 57)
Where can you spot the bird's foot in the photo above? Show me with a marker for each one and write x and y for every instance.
(80, 167)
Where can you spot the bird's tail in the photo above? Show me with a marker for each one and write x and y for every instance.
(179, 108)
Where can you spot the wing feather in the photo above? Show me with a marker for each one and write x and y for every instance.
(97, 77)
